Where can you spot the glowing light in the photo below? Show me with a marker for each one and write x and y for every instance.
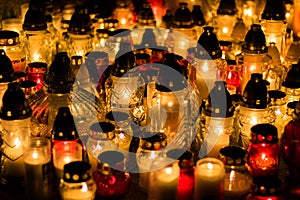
(253, 120)
(84, 187)
(287, 15)
(123, 21)
(248, 12)
(36, 57)
(225, 30)
(122, 136)
(35, 155)
(170, 104)
(67, 159)
(210, 166)
(169, 170)
(205, 68)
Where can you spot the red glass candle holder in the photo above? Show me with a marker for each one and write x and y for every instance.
(290, 145)
(35, 72)
(263, 151)
(110, 178)
(186, 182)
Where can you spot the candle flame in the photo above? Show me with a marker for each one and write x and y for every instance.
(263, 156)
(36, 57)
(67, 159)
(35, 155)
(123, 21)
(210, 166)
(84, 187)
(225, 30)
(232, 176)
(169, 170)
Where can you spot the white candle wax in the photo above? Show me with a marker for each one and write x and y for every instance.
(164, 183)
(209, 179)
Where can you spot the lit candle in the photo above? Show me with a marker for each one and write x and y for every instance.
(236, 185)
(163, 183)
(209, 179)
(37, 157)
(64, 153)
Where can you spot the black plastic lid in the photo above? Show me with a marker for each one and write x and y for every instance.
(255, 40)
(153, 141)
(125, 60)
(167, 19)
(7, 73)
(292, 78)
(14, 104)
(37, 67)
(232, 155)
(209, 43)
(197, 16)
(114, 159)
(117, 116)
(9, 38)
(146, 15)
(35, 19)
(77, 172)
(219, 102)
(105, 129)
(264, 133)
(255, 94)
(274, 10)
(148, 39)
(182, 17)
(227, 7)
(60, 77)
(64, 127)
(171, 75)
(80, 23)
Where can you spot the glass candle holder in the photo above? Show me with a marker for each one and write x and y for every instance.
(36, 72)
(263, 151)
(38, 174)
(289, 145)
(278, 104)
(209, 179)
(123, 130)
(150, 155)
(238, 180)
(10, 43)
(15, 124)
(101, 138)
(163, 183)
(186, 180)
(233, 77)
(216, 121)
(77, 182)
(64, 153)
(111, 179)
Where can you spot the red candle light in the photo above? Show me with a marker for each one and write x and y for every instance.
(110, 177)
(35, 72)
(263, 150)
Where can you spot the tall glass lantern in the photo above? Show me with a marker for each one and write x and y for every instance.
(253, 109)
(208, 62)
(15, 115)
(274, 23)
(80, 38)
(216, 120)
(254, 57)
(226, 18)
(37, 38)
